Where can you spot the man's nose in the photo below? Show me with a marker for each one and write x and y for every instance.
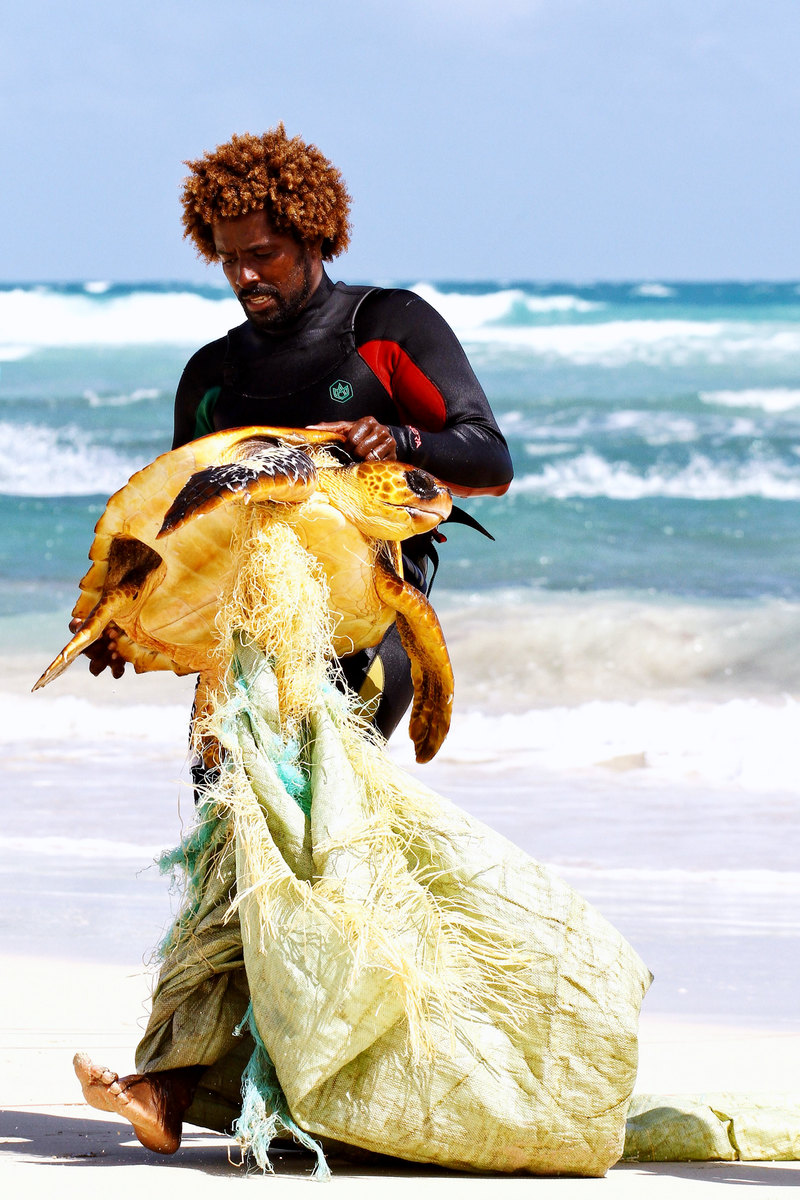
(247, 275)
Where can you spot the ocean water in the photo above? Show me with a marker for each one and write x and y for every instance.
(627, 651)
(647, 553)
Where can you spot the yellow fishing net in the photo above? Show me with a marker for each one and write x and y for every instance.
(378, 967)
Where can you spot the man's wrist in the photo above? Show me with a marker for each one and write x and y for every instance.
(407, 440)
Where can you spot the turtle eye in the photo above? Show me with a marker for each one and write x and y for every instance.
(422, 484)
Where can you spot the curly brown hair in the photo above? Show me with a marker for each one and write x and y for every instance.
(299, 189)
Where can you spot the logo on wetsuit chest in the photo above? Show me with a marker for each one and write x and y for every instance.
(341, 391)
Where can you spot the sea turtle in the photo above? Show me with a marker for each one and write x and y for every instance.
(161, 555)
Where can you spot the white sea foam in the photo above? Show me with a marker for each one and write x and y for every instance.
(671, 342)
(468, 313)
(771, 400)
(544, 304)
(71, 848)
(72, 722)
(588, 475)
(512, 653)
(680, 692)
(654, 291)
(36, 460)
(655, 428)
(40, 318)
(544, 449)
(745, 743)
(14, 353)
(121, 400)
(32, 318)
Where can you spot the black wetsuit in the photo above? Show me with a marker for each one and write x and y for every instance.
(355, 352)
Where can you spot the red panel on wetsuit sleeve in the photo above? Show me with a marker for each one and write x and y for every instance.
(418, 399)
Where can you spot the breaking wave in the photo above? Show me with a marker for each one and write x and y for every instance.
(43, 317)
(562, 326)
(512, 652)
(771, 400)
(590, 475)
(36, 460)
(73, 721)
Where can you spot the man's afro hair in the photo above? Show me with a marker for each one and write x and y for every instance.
(298, 188)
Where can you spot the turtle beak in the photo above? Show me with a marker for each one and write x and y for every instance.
(435, 504)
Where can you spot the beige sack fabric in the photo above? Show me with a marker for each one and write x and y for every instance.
(422, 987)
(718, 1125)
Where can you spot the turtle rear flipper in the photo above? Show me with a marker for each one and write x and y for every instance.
(100, 616)
(132, 566)
(431, 671)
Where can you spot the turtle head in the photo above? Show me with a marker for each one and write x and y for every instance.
(388, 499)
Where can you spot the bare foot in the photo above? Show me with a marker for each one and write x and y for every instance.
(154, 1104)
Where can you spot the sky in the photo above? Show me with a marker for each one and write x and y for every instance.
(481, 139)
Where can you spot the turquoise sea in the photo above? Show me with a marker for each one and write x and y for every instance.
(651, 536)
(655, 429)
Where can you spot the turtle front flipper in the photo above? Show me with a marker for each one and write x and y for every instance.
(261, 471)
(431, 671)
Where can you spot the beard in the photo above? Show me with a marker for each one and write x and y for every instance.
(289, 302)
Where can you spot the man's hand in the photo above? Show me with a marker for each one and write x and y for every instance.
(103, 652)
(365, 438)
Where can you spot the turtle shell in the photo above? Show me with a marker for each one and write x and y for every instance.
(161, 552)
(175, 627)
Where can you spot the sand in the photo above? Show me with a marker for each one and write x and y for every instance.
(703, 883)
(55, 1007)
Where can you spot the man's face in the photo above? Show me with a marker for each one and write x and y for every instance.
(272, 275)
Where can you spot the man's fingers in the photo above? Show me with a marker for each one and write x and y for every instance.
(332, 426)
(104, 657)
(376, 447)
(365, 438)
(103, 651)
(371, 440)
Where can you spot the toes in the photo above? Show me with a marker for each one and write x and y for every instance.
(87, 1072)
(92, 1076)
(82, 1063)
(119, 1093)
(101, 1076)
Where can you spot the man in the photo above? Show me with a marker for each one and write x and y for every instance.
(379, 366)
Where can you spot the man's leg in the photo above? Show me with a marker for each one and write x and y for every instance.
(200, 1000)
(153, 1103)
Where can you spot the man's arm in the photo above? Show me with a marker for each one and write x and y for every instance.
(448, 427)
(202, 372)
